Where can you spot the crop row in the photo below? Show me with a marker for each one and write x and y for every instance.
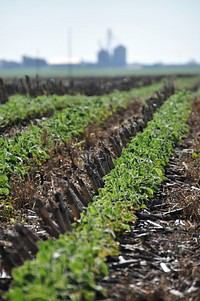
(187, 83)
(88, 85)
(36, 143)
(21, 108)
(67, 268)
(77, 192)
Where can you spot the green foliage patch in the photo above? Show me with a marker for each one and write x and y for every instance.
(22, 108)
(35, 143)
(67, 268)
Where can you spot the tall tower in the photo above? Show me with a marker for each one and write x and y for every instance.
(109, 39)
(119, 57)
(103, 58)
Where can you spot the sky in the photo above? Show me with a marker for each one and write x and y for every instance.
(153, 31)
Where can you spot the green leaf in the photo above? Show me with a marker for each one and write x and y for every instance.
(4, 191)
(3, 180)
(150, 191)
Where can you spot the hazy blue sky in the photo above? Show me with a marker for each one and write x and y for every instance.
(152, 30)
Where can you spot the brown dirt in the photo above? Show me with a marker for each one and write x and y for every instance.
(87, 85)
(160, 257)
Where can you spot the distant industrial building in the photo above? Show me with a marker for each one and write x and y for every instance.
(8, 64)
(118, 58)
(103, 58)
(33, 62)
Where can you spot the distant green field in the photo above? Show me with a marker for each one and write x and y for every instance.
(94, 71)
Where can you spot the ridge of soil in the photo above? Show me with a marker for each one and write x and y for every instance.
(159, 259)
(72, 86)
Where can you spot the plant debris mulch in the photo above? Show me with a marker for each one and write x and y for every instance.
(85, 85)
(160, 258)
